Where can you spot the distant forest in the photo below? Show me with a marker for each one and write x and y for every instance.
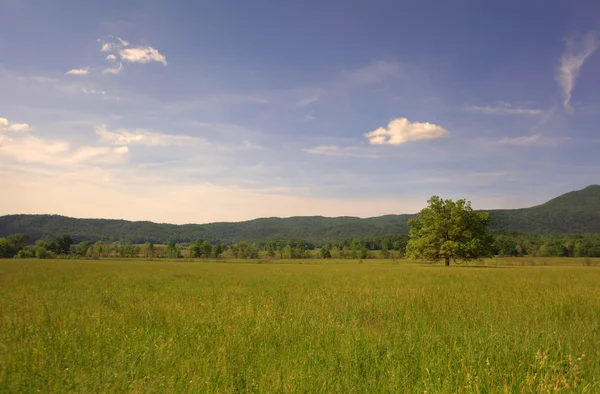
(567, 226)
(386, 247)
(576, 212)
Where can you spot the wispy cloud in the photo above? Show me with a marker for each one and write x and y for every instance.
(93, 91)
(121, 149)
(375, 72)
(5, 125)
(118, 50)
(305, 102)
(336, 150)
(114, 70)
(31, 149)
(146, 138)
(111, 43)
(78, 71)
(142, 55)
(504, 109)
(531, 140)
(333, 150)
(401, 130)
(570, 63)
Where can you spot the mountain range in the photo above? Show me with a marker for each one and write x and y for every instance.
(573, 212)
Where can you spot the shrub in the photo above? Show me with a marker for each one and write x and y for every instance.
(24, 254)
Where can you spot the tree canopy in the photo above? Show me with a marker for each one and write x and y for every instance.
(449, 230)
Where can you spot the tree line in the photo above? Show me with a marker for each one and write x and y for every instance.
(394, 246)
(444, 230)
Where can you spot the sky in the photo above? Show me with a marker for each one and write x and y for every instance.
(204, 111)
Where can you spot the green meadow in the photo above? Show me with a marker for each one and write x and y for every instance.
(379, 326)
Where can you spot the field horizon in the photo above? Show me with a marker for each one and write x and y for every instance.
(574, 212)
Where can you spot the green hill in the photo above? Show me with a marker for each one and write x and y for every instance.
(574, 212)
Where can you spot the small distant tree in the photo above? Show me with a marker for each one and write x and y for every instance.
(385, 253)
(235, 251)
(148, 250)
(13, 244)
(41, 250)
(242, 246)
(171, 251)
(449, 230)
(18, 241)
(24, 254)
(217, 251)
(82, 248)
(196, 248)
(206, 249)
(62, 244)
(6, 248)
(251, 251)
(130, 250)
(325, 252)
(335, 252)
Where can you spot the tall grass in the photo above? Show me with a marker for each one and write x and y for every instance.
(98, 326)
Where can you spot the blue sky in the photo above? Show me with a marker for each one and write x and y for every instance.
(221, 111)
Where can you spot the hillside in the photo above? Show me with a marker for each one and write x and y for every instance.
(574, 212)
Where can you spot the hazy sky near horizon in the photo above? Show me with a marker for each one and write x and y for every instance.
(191, 111)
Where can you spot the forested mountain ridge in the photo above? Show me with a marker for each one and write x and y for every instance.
(573, 212)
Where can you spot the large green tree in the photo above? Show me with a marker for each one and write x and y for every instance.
(448, 230)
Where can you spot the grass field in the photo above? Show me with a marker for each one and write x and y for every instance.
(105, 326)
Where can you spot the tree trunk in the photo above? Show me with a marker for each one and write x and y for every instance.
(447, 261)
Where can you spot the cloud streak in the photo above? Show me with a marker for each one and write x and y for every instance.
(305, 102)
(531, 140)
(504, 109)
(401, 130)
(114, 70)
(31, 149)
(78, 71)
(571, 62)
(123, 137)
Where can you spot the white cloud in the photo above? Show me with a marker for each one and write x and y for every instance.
(504, 109)
(114, 70)
(78, 71)
(570, 64)
(142, 55)
(121, 149)
(531, 140)
(146, 138)
(112, 44)
(401, 130)
(5, 125)
(111, 58)
(31, 149)
(106, 47)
